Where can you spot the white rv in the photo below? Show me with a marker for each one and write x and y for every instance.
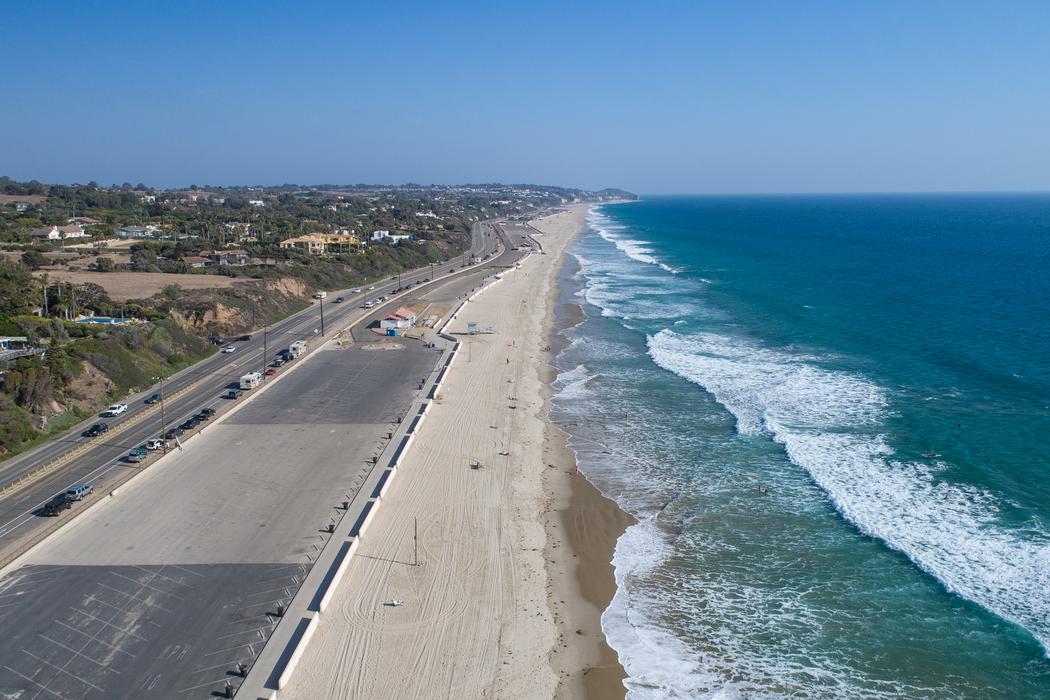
(251, 380)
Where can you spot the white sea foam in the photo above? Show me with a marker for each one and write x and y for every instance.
(632, 248)
(572, 384)
(829, 422)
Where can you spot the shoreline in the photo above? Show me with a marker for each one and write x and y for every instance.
(581, 579)
(497, 553)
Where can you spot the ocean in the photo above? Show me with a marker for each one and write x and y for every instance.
(831, 417)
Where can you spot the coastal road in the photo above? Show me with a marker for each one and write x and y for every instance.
(163, 589)
(201, 385)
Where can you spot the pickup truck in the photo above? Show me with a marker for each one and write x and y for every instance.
(115, 410)
(77, 492)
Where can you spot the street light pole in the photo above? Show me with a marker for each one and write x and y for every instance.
(320, 302)
(163, 418)
(265, 352)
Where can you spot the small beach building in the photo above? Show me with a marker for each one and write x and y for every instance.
(398, 322)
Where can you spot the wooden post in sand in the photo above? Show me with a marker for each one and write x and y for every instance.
(415, 542)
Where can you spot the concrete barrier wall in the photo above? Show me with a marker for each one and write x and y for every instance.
(339, 568)
(355, 529)
(367, 519)
(300, 640)
(377, 492)
(386, 484)
(396, 459)
(415, 423)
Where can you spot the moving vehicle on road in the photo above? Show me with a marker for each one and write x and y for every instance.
(372, 288)
(250, 380)
(56, 505)
(154, 398)
(228, 349)
(78, 492)
(356, 291)
(96, 430)
(114, 410)
(337, 300)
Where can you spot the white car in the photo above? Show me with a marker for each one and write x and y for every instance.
(356, 291)
(115, 410)
(228, 349)
(154, 444)
(371, 288)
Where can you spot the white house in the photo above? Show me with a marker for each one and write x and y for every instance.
(57, 233)
(380, 235)
(257, 202)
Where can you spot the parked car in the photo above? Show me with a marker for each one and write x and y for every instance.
(173, 433)
(56, 505)
(270, 371)
(190, 423)
(228, 349)
(154, 444)
(136, 455)
(279, 362)
(78, 492)
(205, 413)
(96, 430)
(115, 410)
(155, 398)
(234, 394)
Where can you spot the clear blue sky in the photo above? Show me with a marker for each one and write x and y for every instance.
(650, 96)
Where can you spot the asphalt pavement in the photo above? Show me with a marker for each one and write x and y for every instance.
(163, 589)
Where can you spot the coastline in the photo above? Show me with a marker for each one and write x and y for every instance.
(580, 576)
(504, 594)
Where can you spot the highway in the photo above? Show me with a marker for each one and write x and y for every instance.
(102, 460)
(163, 589)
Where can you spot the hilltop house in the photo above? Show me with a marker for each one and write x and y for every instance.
(196, 261)
(58, 233)
(233, 258)
(137, 232)
(323, 243)
(389, 237)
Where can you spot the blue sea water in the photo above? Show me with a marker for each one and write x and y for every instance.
(831, 416)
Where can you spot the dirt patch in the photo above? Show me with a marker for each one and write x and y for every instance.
(85, 391)
(121, 286)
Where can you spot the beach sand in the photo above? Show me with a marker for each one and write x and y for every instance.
(514, 547)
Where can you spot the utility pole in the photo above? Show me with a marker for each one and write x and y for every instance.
(265, 352)
(320, 302)
(415, 542)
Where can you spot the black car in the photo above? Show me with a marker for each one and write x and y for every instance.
(155, 398)
(56, 505)
(338, 300)
(190, 424)
(173, 433)
(205, 413)
(96, 430)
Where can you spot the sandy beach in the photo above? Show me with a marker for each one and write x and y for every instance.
(513, 546)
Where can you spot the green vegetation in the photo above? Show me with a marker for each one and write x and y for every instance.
(189, 232)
